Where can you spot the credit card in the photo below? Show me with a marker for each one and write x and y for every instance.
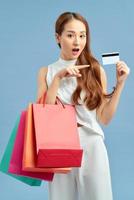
(110, 58)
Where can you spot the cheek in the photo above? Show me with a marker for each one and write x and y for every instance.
(83, 44)
(66, 43)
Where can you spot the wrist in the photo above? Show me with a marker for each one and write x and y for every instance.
(120, 84)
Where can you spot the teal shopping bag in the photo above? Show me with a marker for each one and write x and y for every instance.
(6, 159)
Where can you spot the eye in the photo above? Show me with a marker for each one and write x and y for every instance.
(82, 36)
(70, 35)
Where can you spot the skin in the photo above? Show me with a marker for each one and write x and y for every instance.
(73, 36)
(77, 38)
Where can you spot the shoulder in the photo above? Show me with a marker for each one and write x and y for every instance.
(41, 79)
(42, 70)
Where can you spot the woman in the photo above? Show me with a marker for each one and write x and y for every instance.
(77, 78)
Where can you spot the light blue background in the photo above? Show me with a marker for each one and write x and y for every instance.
(27, 42)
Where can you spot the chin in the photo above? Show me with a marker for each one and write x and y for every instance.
(75, 56)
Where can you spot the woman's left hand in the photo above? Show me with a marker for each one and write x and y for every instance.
(122, 71)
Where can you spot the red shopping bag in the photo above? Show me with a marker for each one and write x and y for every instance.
(57, 140)
(15, 166)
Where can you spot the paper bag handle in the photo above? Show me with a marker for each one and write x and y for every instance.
(42, 100)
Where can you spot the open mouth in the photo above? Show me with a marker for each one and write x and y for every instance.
(75, 49)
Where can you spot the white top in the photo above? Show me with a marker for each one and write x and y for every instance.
(67, 86)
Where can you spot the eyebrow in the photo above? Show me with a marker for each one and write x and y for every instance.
(74, 31)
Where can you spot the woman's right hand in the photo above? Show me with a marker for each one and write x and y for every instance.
(70, 71)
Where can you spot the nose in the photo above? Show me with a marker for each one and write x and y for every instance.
(76, 41)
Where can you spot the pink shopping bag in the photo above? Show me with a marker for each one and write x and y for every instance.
(15, 166)
(57, 140)
(29, 150)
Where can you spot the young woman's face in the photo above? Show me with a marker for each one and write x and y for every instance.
(72, 39)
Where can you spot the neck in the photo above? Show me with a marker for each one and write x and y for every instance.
(67, 61)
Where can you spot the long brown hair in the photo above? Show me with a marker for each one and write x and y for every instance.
(90, 81)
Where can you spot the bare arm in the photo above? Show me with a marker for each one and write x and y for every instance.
(42, 86)
(108, 108)
(52, 91)
(41, 82)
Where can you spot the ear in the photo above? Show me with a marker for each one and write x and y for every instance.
(57, 37)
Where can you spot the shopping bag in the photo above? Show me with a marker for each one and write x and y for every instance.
(57, 140)
(15, 166)
(4, 164)
(29, 151)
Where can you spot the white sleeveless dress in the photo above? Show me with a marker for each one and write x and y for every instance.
(92, 181)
